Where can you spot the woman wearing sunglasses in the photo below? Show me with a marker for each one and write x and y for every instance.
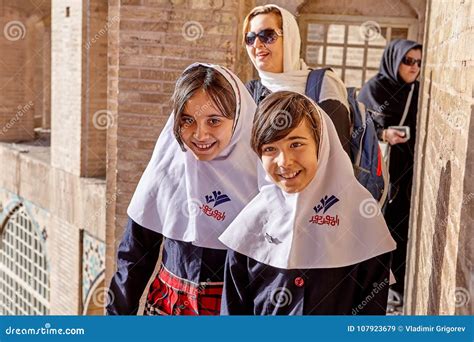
(392, 95)
(273, 43)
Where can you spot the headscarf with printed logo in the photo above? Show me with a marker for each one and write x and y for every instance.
(333, 222)
(194, 201)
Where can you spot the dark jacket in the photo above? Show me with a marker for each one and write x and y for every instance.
(138, 255)
(254, 288)
(387, 94)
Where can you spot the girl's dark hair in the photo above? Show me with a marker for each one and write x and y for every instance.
(213, 83)
(280, 113)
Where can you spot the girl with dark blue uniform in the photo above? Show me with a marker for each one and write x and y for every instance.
(313, 241)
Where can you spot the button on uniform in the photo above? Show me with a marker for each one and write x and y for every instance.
(299, 281)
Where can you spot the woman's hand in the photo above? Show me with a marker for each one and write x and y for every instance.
(393, 136)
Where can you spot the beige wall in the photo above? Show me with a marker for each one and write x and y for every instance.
(78, 85)
(439, 277)
(70, 203)
(66, 85)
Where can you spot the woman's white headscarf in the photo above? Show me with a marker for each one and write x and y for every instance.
(194, 201)
(295, 71)
(333, 222)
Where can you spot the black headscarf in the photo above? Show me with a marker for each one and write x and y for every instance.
(386, 92)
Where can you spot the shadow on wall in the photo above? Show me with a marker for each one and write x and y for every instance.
(439, 239)
(464, 261)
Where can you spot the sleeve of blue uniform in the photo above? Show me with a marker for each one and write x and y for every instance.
(137, 256)
(235, 296)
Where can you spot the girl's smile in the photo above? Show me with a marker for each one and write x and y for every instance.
(291, 162)
(204, 130)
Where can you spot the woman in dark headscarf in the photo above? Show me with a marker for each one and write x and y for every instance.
(392, 95)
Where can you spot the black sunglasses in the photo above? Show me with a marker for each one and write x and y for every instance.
(268, 36)
(411, 61)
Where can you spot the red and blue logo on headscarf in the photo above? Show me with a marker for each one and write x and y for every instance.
(216, 198)
(324, 205)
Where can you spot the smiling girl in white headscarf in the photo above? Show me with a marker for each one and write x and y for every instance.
(273, 42)
(201, 174)
(313, 241)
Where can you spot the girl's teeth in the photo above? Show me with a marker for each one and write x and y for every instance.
(204, 146)
(290, 175)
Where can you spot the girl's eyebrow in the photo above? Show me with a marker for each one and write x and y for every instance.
(208, 116)
(288, 138)
(296, 137)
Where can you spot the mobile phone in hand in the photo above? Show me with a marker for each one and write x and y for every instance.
(403, 129)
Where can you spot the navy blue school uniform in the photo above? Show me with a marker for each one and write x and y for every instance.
(138, 254)
(190, 203)
(254, 288)
(292, 254)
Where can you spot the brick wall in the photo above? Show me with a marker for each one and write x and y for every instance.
(65, 268)
(79, 83)
(95, 118)
(440, 257)
(16, 108)
(66, 85)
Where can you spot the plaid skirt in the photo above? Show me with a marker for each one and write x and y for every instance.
(171, 295)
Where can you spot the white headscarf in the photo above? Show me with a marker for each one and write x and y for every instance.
(194, 201)
(295, 71)
(333, 222)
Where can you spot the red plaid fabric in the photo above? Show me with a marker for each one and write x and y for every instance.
(171, 295)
